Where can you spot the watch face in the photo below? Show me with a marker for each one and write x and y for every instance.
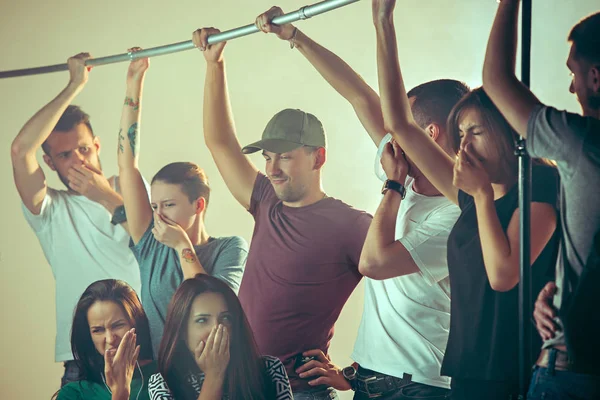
(349, 373)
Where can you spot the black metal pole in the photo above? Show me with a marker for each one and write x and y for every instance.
(525, 311)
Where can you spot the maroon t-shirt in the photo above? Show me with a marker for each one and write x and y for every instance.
(302, 267)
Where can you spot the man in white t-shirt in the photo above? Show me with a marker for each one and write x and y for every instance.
(406, 318)
(80, 229)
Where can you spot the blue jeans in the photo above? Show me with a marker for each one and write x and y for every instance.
(412, 391)
(549, 384)
(71, 373)
(327, 394)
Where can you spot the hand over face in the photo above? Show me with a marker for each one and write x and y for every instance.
(119, 365)
(212, 356)
(394, 162)
(169, 232)
(89, 181)
(470, 175)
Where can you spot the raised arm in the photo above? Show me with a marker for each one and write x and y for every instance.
(383, 256)
(336, 72)
(395, 105)
(135, 195)
(219, 129)
(514, 100)
(29, 177)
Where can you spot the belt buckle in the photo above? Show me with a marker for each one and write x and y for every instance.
(371, 379)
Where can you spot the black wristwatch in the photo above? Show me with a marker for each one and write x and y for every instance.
(119, 215)
(350, 374)
(395, 186)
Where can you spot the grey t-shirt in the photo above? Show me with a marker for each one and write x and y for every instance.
(573, 141)
(161, 274)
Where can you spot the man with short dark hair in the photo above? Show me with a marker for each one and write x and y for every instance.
(404, 328)
(567, 368)
(74, 225)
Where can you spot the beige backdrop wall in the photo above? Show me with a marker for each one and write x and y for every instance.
(437, 39)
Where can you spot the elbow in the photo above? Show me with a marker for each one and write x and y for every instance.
(209, 142)
(126, 165)
(370, 267)
(18, 150)
(213, 144)
(397, 126)
(503, 283)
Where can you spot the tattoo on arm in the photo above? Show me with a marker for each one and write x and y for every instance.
(130, 102)
(189, 255)
(132, 136)
(121, 138)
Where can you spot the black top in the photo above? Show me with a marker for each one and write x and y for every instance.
(484, 324)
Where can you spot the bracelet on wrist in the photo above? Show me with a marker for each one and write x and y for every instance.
(292, 39)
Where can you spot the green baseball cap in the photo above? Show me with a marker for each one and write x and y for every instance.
(288, 130)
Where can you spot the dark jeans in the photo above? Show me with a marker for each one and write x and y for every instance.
(473, 389)
(326, 394)
(549, 384)
(71, 373)
(412, 391)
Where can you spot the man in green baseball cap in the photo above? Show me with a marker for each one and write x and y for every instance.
(288, 130)
(303, 260)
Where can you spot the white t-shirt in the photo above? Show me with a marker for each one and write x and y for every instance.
(81, 246)
(406, 320)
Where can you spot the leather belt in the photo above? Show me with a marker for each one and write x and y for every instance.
(561, 360)
(375, 384)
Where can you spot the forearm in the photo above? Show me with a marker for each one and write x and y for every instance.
(514, 100)
(212, 389)
(111, 201)
(430, 158)
(128, 139)
(498, 257)
(501, 53)
(346, 82)
(382, 230)
(219, 126)
(190, 265)
(120, 394)
(382, 256)
(394, 102)
(133, 189)
(39, 127)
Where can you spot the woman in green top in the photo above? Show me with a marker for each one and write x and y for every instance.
(110, 333)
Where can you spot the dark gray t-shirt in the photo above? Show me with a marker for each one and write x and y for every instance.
(573, 141)
(161, 274)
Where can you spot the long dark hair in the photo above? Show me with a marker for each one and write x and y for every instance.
(246, 373)
(501, 134)
(90, 362)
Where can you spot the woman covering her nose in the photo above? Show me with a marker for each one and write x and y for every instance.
(111, 344)
(168, 236)
(483, 247)
(208, 350)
